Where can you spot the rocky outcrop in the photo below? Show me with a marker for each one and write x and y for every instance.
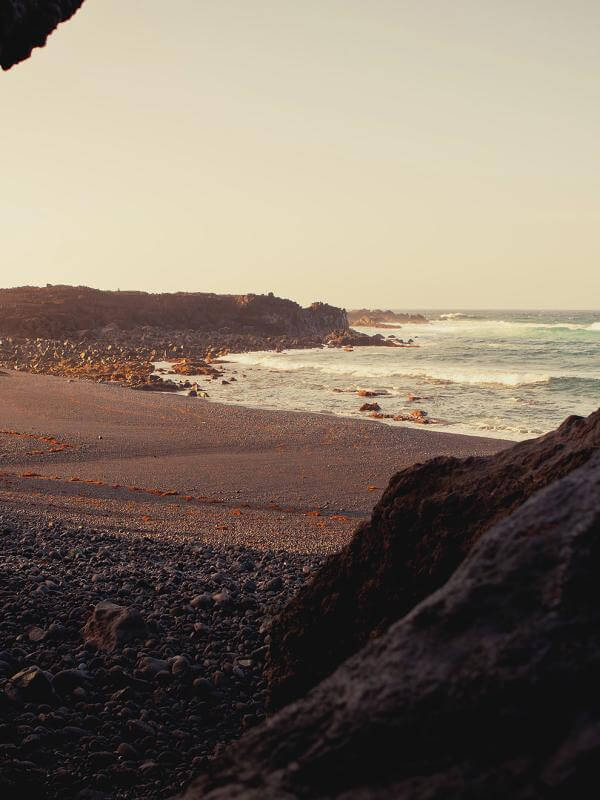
(25, 24)
(59, 311)
(425, 524)
(350, 338)
(488, 688)
(373, 318)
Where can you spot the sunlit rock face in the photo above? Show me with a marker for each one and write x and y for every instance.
(26, 24)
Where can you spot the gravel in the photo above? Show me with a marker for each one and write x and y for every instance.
(141, 720)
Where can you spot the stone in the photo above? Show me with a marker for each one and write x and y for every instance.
(152, 666)
(423, 527)
(26, 24)
(30, 685)
(487, 688)
(111, 626)
(370, 407)
(69, 679)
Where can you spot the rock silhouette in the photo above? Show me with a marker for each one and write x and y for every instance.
(26, 24)
(488, 688)
(58, 311)
(426, 522)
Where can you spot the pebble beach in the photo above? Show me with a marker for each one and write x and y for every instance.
(201, 518)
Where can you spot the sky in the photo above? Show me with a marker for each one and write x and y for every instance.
(406, 154)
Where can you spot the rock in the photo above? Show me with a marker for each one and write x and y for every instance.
(370, 407)
(486, 689)
(274, 584)
(222, 598)
(426, 522)
(375, 318)
(36, 634)
(30, 685)
(180, 665)
(112, 626)
(69, 679)
(26, 24)
(152, 666)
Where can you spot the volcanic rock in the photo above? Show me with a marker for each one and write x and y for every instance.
(67, 310)
(370, 407)
(488, 688)
(375, 318)
(112, 626)
(25, 24)
(30, 685)
(425, 524)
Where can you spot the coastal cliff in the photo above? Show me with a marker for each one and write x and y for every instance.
(58, 311)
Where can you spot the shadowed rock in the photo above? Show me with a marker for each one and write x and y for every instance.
(58, 311)
(30, 685)
(488, 688)
(111, 626)
(25, 24)
(426, 522)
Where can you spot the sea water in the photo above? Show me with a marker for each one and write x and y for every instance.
(494, 373)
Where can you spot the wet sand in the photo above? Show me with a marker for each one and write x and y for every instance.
(104, 456)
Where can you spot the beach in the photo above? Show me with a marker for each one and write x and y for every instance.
(269, 479)
(200, 521)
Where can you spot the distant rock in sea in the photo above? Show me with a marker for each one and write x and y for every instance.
(374, 318)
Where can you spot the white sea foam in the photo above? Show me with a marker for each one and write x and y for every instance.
(322, 362)
(491, 377)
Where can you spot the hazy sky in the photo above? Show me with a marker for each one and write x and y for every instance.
(431, 153)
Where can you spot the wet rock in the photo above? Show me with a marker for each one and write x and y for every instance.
(370, 407)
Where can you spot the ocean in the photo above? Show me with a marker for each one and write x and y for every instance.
(506, 374)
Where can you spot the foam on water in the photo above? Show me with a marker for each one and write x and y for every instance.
(505, 374)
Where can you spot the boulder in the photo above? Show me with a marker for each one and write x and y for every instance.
(30, 685)
(425, 524)
(487, 688)
(25, 24)
(112, 626)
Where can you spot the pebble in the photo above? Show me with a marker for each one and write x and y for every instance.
(141, 720)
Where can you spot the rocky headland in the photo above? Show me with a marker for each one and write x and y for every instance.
(78, 332)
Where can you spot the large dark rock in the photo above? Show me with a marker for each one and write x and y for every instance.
(426, 522)
(25, 24)
(30, 685)
(112, 626)
(58, 311)
(487, 689)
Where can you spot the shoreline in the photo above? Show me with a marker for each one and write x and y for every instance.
(301, 461)
(205, 517)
